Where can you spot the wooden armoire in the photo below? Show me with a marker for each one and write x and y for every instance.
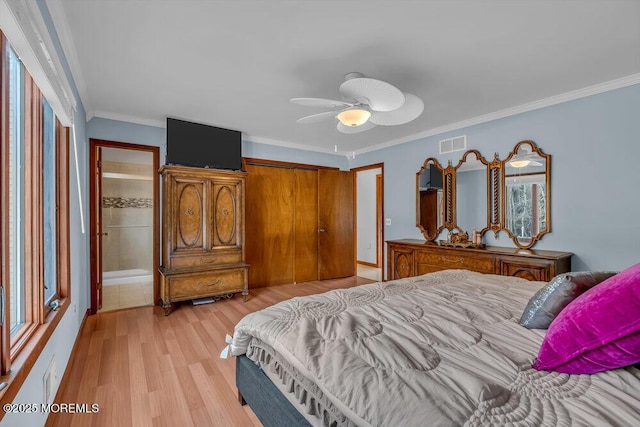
(203, 252)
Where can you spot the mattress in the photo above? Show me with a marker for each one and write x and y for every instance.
(440, 349)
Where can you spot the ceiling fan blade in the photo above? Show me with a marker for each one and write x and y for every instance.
(410, 110)
(314, 118)
(321, 102)
(380, 96)
(355, 129)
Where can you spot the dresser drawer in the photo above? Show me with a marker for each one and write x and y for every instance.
(530, 270)
(203, 284)
(443, 260)
(408, 257)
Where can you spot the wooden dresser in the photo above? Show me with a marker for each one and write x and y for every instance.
(202, 234)
(409, 257)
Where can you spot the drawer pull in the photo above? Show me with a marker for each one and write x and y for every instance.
(445, 259)
(217, 282)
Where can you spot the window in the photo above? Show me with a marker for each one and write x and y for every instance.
(49, 205)
(34, 229)
(17, 305)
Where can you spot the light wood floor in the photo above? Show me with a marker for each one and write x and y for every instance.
(116, 297)
(145, 369)
(368, 272)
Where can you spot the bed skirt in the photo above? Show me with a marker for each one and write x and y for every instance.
(264, 398)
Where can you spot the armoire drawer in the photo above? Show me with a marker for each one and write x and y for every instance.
(202, 258)
(456, 260)
(202, 284)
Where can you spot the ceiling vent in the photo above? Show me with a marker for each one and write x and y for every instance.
(457, 143)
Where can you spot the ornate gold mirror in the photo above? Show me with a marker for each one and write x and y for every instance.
(471, 193)
(431, 199)
(525, 194)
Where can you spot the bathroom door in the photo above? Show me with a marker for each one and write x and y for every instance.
(96, 261)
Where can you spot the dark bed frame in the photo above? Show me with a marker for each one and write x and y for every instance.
(264, 398)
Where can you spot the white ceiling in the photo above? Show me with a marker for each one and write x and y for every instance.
(236, 63)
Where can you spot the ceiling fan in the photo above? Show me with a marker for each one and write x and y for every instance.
(366, 103)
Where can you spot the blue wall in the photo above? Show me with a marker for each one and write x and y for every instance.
(114, 130)
(595, 175)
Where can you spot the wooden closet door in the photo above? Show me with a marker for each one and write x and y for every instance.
(306, 225)
(335, 224)
(269, 225)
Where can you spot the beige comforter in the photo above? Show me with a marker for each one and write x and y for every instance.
(440, 349)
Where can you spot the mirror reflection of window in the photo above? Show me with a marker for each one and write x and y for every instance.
(526, 205)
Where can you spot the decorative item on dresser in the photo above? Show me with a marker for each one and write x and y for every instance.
(409, 257)
(202, 234)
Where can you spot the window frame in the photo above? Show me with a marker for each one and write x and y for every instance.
(19, 353)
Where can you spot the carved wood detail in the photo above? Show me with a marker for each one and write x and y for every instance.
(189, 219)
(425, 258)
(203, 234)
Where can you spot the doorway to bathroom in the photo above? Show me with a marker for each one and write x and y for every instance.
(124, 225)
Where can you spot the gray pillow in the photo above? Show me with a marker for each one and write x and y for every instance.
(549, 301)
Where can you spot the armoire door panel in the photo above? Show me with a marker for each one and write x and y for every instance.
(225, 218)
(306, 225)
(335, 224)
(188, 223)
(269, 225)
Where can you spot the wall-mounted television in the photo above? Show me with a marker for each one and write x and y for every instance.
(198, 145)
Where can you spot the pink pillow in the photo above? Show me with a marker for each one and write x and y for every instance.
(598, 331)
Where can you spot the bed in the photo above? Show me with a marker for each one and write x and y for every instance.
(440, 349)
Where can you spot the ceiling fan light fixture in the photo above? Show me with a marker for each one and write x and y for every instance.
(354, 116)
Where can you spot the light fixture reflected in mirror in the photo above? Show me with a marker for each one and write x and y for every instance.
(353, 117)
(519, 163)
(523, 158)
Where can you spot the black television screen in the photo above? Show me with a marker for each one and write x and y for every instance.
(435, 175)
(431, 178)
(195, 144)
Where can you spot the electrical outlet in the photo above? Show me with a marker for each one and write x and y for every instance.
(75, 307)
(387, 221)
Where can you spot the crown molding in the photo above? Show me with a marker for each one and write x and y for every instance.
(127, 118)
(245, 137)
(24, 26)
(59, 18)
(630, 80)
(286, 144)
